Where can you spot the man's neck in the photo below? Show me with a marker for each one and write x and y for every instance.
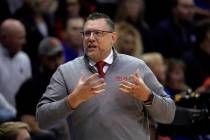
(108, 59)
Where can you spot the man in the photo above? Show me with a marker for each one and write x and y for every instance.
(34, 14)
(72, 40)
(51, 56)
(113, 104)
(15, 65)
(174, 36)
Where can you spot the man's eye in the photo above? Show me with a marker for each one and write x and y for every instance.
(98, 33)
(87, 33)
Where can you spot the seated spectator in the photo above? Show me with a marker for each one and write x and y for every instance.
(132, 11)
(197, 60)
(35, 15)
(67, 9)
(157, 64)
(15, 66)
(72, 38)
(175, 77)
(51, 56)
(129, 40)
(14, 131)
(183, 126)
(174, 36)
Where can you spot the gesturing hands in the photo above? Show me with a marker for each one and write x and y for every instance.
(85, 89)
(136, 87)
(92, 86)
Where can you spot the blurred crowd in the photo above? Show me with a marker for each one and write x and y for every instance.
(171, 36)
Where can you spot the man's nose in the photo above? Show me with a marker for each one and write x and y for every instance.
(92, 35)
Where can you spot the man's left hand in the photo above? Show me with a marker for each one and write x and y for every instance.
(136, 87)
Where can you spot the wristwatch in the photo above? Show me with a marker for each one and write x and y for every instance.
(150, 99)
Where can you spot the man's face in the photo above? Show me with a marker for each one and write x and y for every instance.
(98, 39)
(14, 42)
(184, 10)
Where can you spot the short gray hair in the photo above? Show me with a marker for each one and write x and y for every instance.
(96, 15)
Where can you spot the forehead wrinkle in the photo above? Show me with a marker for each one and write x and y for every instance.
(98, 24)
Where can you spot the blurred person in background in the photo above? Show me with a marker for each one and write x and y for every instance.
(132, 11)
(198, 60)
(174, 36)
(129, 41)
(157, 64)
(15, 67)
(72, 38)
(67, 9)
(36, 16)
(175, 77)
(50, 56)
(183, 127)
(14, 131)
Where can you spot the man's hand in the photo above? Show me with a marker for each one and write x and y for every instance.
(85, 89)
(136, 87)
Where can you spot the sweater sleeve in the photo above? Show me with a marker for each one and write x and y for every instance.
(162, 108)
(53, 105)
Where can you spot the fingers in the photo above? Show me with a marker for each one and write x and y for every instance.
(99, 87)
(134, 79)
(92, 77)
(99, 81)
(96, 85)
(127, 84)
(99, 91)
(124, 90)
(127, 87)
(137, 73)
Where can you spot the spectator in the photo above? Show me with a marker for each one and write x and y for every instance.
(129, 40)
(14, 131)
(174, 36)
(132, 11)
(72, 39)
(15, 66)
(197, 60)
(157, 64)
(51, 56)
(34, 14)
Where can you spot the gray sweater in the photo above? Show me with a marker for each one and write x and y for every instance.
(112, 115)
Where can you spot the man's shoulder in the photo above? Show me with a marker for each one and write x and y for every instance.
(22, 54)
(73, 63)
(128, 59)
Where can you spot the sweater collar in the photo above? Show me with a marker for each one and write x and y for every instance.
(91, 67)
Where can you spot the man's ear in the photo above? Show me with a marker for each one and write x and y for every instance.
(114, 37)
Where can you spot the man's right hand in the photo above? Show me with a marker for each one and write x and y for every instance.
(85, 89)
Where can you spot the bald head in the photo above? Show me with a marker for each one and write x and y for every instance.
(12, 35)
(11, 27)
